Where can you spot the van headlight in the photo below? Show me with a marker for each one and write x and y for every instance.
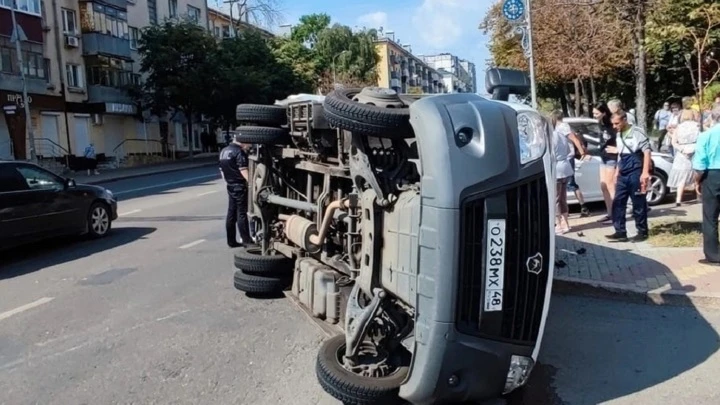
(532, 134)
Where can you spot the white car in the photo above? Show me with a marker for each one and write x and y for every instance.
(587, 173)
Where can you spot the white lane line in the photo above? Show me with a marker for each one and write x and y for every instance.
(207, 193)
(41, 301)
(191, 244)
(172, 183)
(122, 214)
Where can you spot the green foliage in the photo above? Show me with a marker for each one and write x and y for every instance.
(318, 50)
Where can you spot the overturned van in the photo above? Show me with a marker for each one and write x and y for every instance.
(418, 229)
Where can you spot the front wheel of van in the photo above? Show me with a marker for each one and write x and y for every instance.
(375, 378)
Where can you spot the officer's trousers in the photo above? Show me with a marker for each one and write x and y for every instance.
(628, 186)
(237, 219)
(711, 210)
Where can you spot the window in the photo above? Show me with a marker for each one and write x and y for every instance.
(34, 64)
(103, 19)
(74, 76)
(216, 31)
(152, 11)
(38, 179)
(134, 37)
(110, 72)
(69, 22)
(193, 13)
(11, 180)
(28, 6)
(172, 6)
(226, 31)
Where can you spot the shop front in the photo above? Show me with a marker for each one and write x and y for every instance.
(13, 139)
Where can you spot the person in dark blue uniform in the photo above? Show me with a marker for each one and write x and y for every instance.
(234, 169)
(633, 175)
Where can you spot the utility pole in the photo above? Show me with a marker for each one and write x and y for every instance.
(19, 35)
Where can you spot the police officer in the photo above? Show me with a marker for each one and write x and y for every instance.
(632, 174)
(234, 169)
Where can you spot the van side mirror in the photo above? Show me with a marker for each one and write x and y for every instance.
(503, 82)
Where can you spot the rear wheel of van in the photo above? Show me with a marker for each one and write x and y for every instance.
(260, 114)
(260, 285)
(251, 261)
(353, 388)
(262, 135)
(370, 111)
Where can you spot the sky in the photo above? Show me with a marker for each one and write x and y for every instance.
(429, 26)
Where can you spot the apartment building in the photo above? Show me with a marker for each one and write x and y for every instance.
(404, 72)
(459, 75)
(77, 59)
(219, 25)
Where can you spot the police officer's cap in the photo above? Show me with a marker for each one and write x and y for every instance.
(238, 137)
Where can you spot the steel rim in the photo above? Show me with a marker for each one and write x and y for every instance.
(99, 220)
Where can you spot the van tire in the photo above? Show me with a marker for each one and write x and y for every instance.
(261, 114)
(261, 135)
(250, 260)
(341, 111)
(260, 285)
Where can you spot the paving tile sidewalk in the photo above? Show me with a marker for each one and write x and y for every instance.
(109, 175)
(639, 271)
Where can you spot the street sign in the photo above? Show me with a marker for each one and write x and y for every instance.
(513, 10)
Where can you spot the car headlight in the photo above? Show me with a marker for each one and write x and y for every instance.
(518, 373)
(532, 133)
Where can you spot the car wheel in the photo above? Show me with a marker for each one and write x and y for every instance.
(260, 114)
(99, 222)
(260, 285)
(370, 111)
(251, 261)
(657, 190)
(353, 388)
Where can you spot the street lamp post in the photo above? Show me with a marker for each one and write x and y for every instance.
(333, 67)
(519, 14)
(19, 35)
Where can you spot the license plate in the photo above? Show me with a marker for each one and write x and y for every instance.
(494, 265)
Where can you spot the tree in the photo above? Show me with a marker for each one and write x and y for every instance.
(309, 27)
(178, 59)
(689, 27)
(256, 12)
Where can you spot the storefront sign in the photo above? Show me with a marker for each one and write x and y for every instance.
(36, 101)
(117, 108)
(17, 99)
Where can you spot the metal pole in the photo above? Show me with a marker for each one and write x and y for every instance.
(30, 134)
(531, 56)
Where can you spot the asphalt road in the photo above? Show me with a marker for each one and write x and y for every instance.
(149, 315)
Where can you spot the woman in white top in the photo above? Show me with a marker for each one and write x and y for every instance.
(562, 136)
(683, 143)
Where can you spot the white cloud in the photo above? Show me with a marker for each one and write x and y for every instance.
(373, 20)
(442, 23)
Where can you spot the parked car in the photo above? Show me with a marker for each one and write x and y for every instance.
(36, 204)
(587, 173)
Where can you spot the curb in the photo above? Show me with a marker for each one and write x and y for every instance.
(161, 171)
(637, 295)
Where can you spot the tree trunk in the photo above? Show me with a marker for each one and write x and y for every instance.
(638, 39)
(701, 89)
(593, 90)
(188, 116)
(577, 97)
(566, 96)
(586, 97)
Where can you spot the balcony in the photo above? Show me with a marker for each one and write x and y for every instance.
(118, 4)
(101, 44)
(105, 94)
(405, 72)
(12, 82)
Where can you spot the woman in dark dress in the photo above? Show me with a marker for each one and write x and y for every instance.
(609, 156)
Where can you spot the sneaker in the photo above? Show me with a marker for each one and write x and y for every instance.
(618, 237)
(584, 212)
(641, 237)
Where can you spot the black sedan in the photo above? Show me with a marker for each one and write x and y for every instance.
(36, 204)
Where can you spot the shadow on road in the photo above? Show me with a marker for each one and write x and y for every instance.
(597, 350)
(189, 218)
(38, 256)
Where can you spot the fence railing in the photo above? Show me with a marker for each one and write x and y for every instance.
(145, 150)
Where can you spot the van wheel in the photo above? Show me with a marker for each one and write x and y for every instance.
(370, 384)
(262, 135)
(251, 261)
(98, 221)
(370, 111)
(261, 114)
(260, 285)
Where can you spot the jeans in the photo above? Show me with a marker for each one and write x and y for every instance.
(237, 218)
(711, 210)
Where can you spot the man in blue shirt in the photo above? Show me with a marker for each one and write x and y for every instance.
(706, 163)
(632, 174)
(662, 118)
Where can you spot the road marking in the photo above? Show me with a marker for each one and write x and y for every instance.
(172, 183)
(207, 193)
(41, 301)
(191, 244)
(122, 214)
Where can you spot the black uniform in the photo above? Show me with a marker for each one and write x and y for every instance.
(233, 159)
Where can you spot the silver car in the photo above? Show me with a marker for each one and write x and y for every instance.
(587, 173)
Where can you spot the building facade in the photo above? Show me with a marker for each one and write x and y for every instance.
(459, 75)
(78, 59)
(219, 25)
(404, 72)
